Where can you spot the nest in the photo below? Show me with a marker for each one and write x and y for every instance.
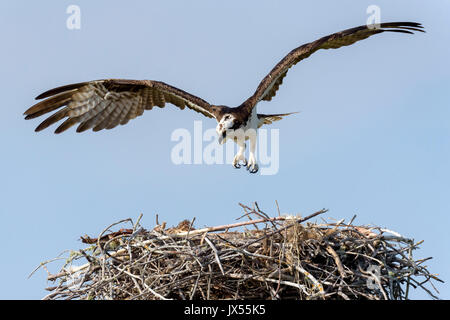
(282, 257)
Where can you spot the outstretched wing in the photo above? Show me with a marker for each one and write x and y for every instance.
(269, 118)
(270, 84)
(104, 104)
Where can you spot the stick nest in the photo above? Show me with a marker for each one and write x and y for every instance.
(283, 257)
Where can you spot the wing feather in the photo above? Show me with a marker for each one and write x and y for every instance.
(95, 116)
(61, 114)
(105, 104)
(48, 105)
(268, 87)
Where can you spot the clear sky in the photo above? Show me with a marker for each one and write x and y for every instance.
(372, 137)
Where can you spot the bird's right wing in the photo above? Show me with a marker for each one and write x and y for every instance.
(104, 104)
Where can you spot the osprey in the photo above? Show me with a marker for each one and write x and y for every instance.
(104, 104)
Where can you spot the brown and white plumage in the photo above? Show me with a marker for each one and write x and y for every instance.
(104, 104)
(269, 86)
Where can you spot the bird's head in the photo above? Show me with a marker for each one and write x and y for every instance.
(226, 123)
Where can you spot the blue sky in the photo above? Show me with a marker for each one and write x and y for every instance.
(372, 137)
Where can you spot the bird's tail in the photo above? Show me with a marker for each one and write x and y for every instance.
(269, 118)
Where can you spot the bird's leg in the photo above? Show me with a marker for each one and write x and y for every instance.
(252, 166)
(240, 156)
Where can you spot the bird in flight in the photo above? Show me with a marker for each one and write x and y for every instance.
(104, 104)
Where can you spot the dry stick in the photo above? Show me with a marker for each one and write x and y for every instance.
(248, 214)
(181, 234)
(316, 283)
(215, 254)
(278, 208)
(260, 212)
(145, 285)
(337, 260)
(137, 222)
(190, 228)
(285, 227)
(263, 279)
(194, 288)
(42, 264)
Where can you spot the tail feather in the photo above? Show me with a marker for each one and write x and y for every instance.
(269, 118)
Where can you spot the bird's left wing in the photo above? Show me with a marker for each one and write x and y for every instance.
(270, 84)
(104, 104)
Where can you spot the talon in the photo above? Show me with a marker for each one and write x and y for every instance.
(245, 162)
(255, 169)
(237, 165)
